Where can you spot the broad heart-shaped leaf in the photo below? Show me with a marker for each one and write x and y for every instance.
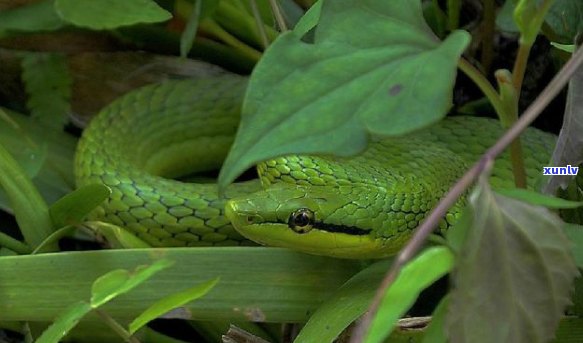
(73, 207)
(374, 67)
(110, 14)
(171, 302)
(64, 323)
(120, 281)
(514, 273)
(415, 276)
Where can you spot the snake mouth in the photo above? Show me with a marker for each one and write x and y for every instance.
(258, 227)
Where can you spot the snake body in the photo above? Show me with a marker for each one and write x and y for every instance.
(362, 206)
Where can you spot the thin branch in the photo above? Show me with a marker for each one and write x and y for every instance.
(431, 221)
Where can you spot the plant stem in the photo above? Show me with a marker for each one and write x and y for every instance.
(488, 25)
(509, 99)
(482, 83)
(528, 35)
(520, 66)
(431, 221)
(213, 28)
(453, 14)
(259, 24)
(278, 15)
(115, 326)
(14, 244)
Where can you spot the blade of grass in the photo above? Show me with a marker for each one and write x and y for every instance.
(253, 282)
(30, 210)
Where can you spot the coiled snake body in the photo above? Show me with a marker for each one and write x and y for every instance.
(357, 207)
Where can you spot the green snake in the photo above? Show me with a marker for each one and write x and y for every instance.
(356, 207)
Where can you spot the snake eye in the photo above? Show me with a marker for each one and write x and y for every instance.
(301, 220)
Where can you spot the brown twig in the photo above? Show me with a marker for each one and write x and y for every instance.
(429, 224)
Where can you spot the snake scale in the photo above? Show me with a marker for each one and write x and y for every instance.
(356, 207)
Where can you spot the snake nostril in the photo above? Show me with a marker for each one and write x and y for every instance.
(250, 219)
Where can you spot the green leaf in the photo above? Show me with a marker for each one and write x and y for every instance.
(575, 234)
(121, 281)
(30, 210)
(565, 18)
(64, 323)
(73, 207)
(171, 302)
(511, 248)
(30, 155)
(110, 14)
(415, 276)
(45, 154)
(565, 47)
(35, 17)
(52, 240)
(309, 20)
(189, 33)
(347, 84)
(536, 198)
(529, 16)
(569, 148)
(57, 280)
(117, 237)
(505, 17)
(344, 306)
(48, 86)
(456, 235)
(435, 332)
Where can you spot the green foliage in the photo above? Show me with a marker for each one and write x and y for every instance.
(48, 85)
(564, 47)
(569, 148)
(348, 69)
(565, 19)
(344, 306)
(529, 16)
(104, 289)
(121, 281)
(64, 323)
(435, 332)
(171, 302)
(110, 14)
(117, 237)
(517, 247)
(417, 275)
(30, 210)
(57, 280)
(38, 16)
(73, 207)
(388, 74)
(45, 155)
(535, 198)
(575, 234)
(189, 34)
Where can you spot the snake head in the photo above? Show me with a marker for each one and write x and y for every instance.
(316, 220)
